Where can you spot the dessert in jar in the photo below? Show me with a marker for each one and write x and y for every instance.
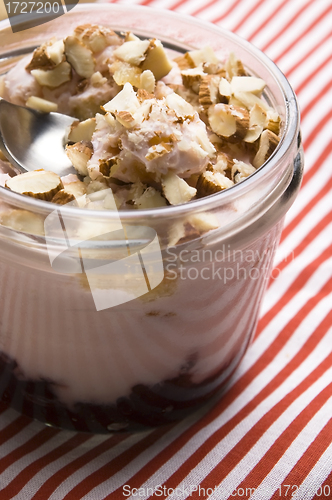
(195, 143)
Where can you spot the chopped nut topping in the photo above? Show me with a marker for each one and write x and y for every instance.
(41, 104)
(267, 144)
(211, 183)
(176, 190)
(229, 121)
(82, 131)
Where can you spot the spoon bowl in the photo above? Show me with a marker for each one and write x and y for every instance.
(32, 140)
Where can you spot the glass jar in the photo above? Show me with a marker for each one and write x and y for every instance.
(152, 354)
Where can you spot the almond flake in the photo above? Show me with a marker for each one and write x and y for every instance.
(156, 60)
(79, 56)
(241, 171)
(79, 154)
(267, 144)
(41, 104)
(147, 81)
(82, 131)
(247, 84)
(181, 107)
(257, 123)
(132, 52)
(200, 56)
(53, 77)
(209, 90)
(126, 100)
(176, 190)
(39, 184)
(211, 183)
(229, 121)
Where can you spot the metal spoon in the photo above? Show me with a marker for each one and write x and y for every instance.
(32, 140)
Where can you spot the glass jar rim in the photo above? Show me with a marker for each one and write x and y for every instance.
(288, 139)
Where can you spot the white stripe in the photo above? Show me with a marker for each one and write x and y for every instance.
(92, 466)
(265, 489)
(320, 109)
(246, 396)
(240, 12)
(309, 191)
(215, 10)
(252, 22)
(20, 438)
(294, 31)
(134, 466)
(304, 46)
(216, 454)
(288, 275)
(45, 473)
(293, 454)
(272, 330)
(285, 252)
(19, 465)
(316, 478)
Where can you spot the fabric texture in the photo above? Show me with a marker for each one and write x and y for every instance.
(269, 437)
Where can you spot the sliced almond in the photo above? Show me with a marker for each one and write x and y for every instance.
(53, 77)
(132, 52)
(234, 67)
(177, 190)
(204, 222)
(126, 119)
(147, 81)
(248, 99)
(183, 109)
(77, 189)
(273, 123)
(257, 123)
(55, 51)
(184, 61)
(41, 104)
(151, 198)
(247, 84)
(79, 56)
(62, 197)
(211, 183)
(124, 72)
(39, 184)
(241, 171)
(223, 164)
(156, 60)
(158, 150)
(267, 144)
(79, 154)
(82, 131)
(41, 59)
(229, 121)
(23, 221)
(225, 88)
(192, 78)
(209, 90)
(126, 100)
(96, 37)
(130, 37)
(97, 79)
(204, 55)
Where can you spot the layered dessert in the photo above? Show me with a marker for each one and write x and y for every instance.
(158, 129)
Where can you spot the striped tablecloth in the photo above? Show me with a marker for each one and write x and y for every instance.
(270, 436)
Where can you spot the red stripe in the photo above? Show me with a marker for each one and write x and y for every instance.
(269, 19)
(313, 74)
(299, 282)
(222, 16)
(309, 459)
(243, 447)
(313, 49)
(303, 34)
(16, 485)
(248, 15)
(317, 98)
(113, 466)
(282, 443)
(178, 4)
(213, 440)
(229, 397)
(308, 238)
(307, 209)
(316, 166)
(61, 475)
(31, 445)
(13, 428)
(318, 128)
(292, 21)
